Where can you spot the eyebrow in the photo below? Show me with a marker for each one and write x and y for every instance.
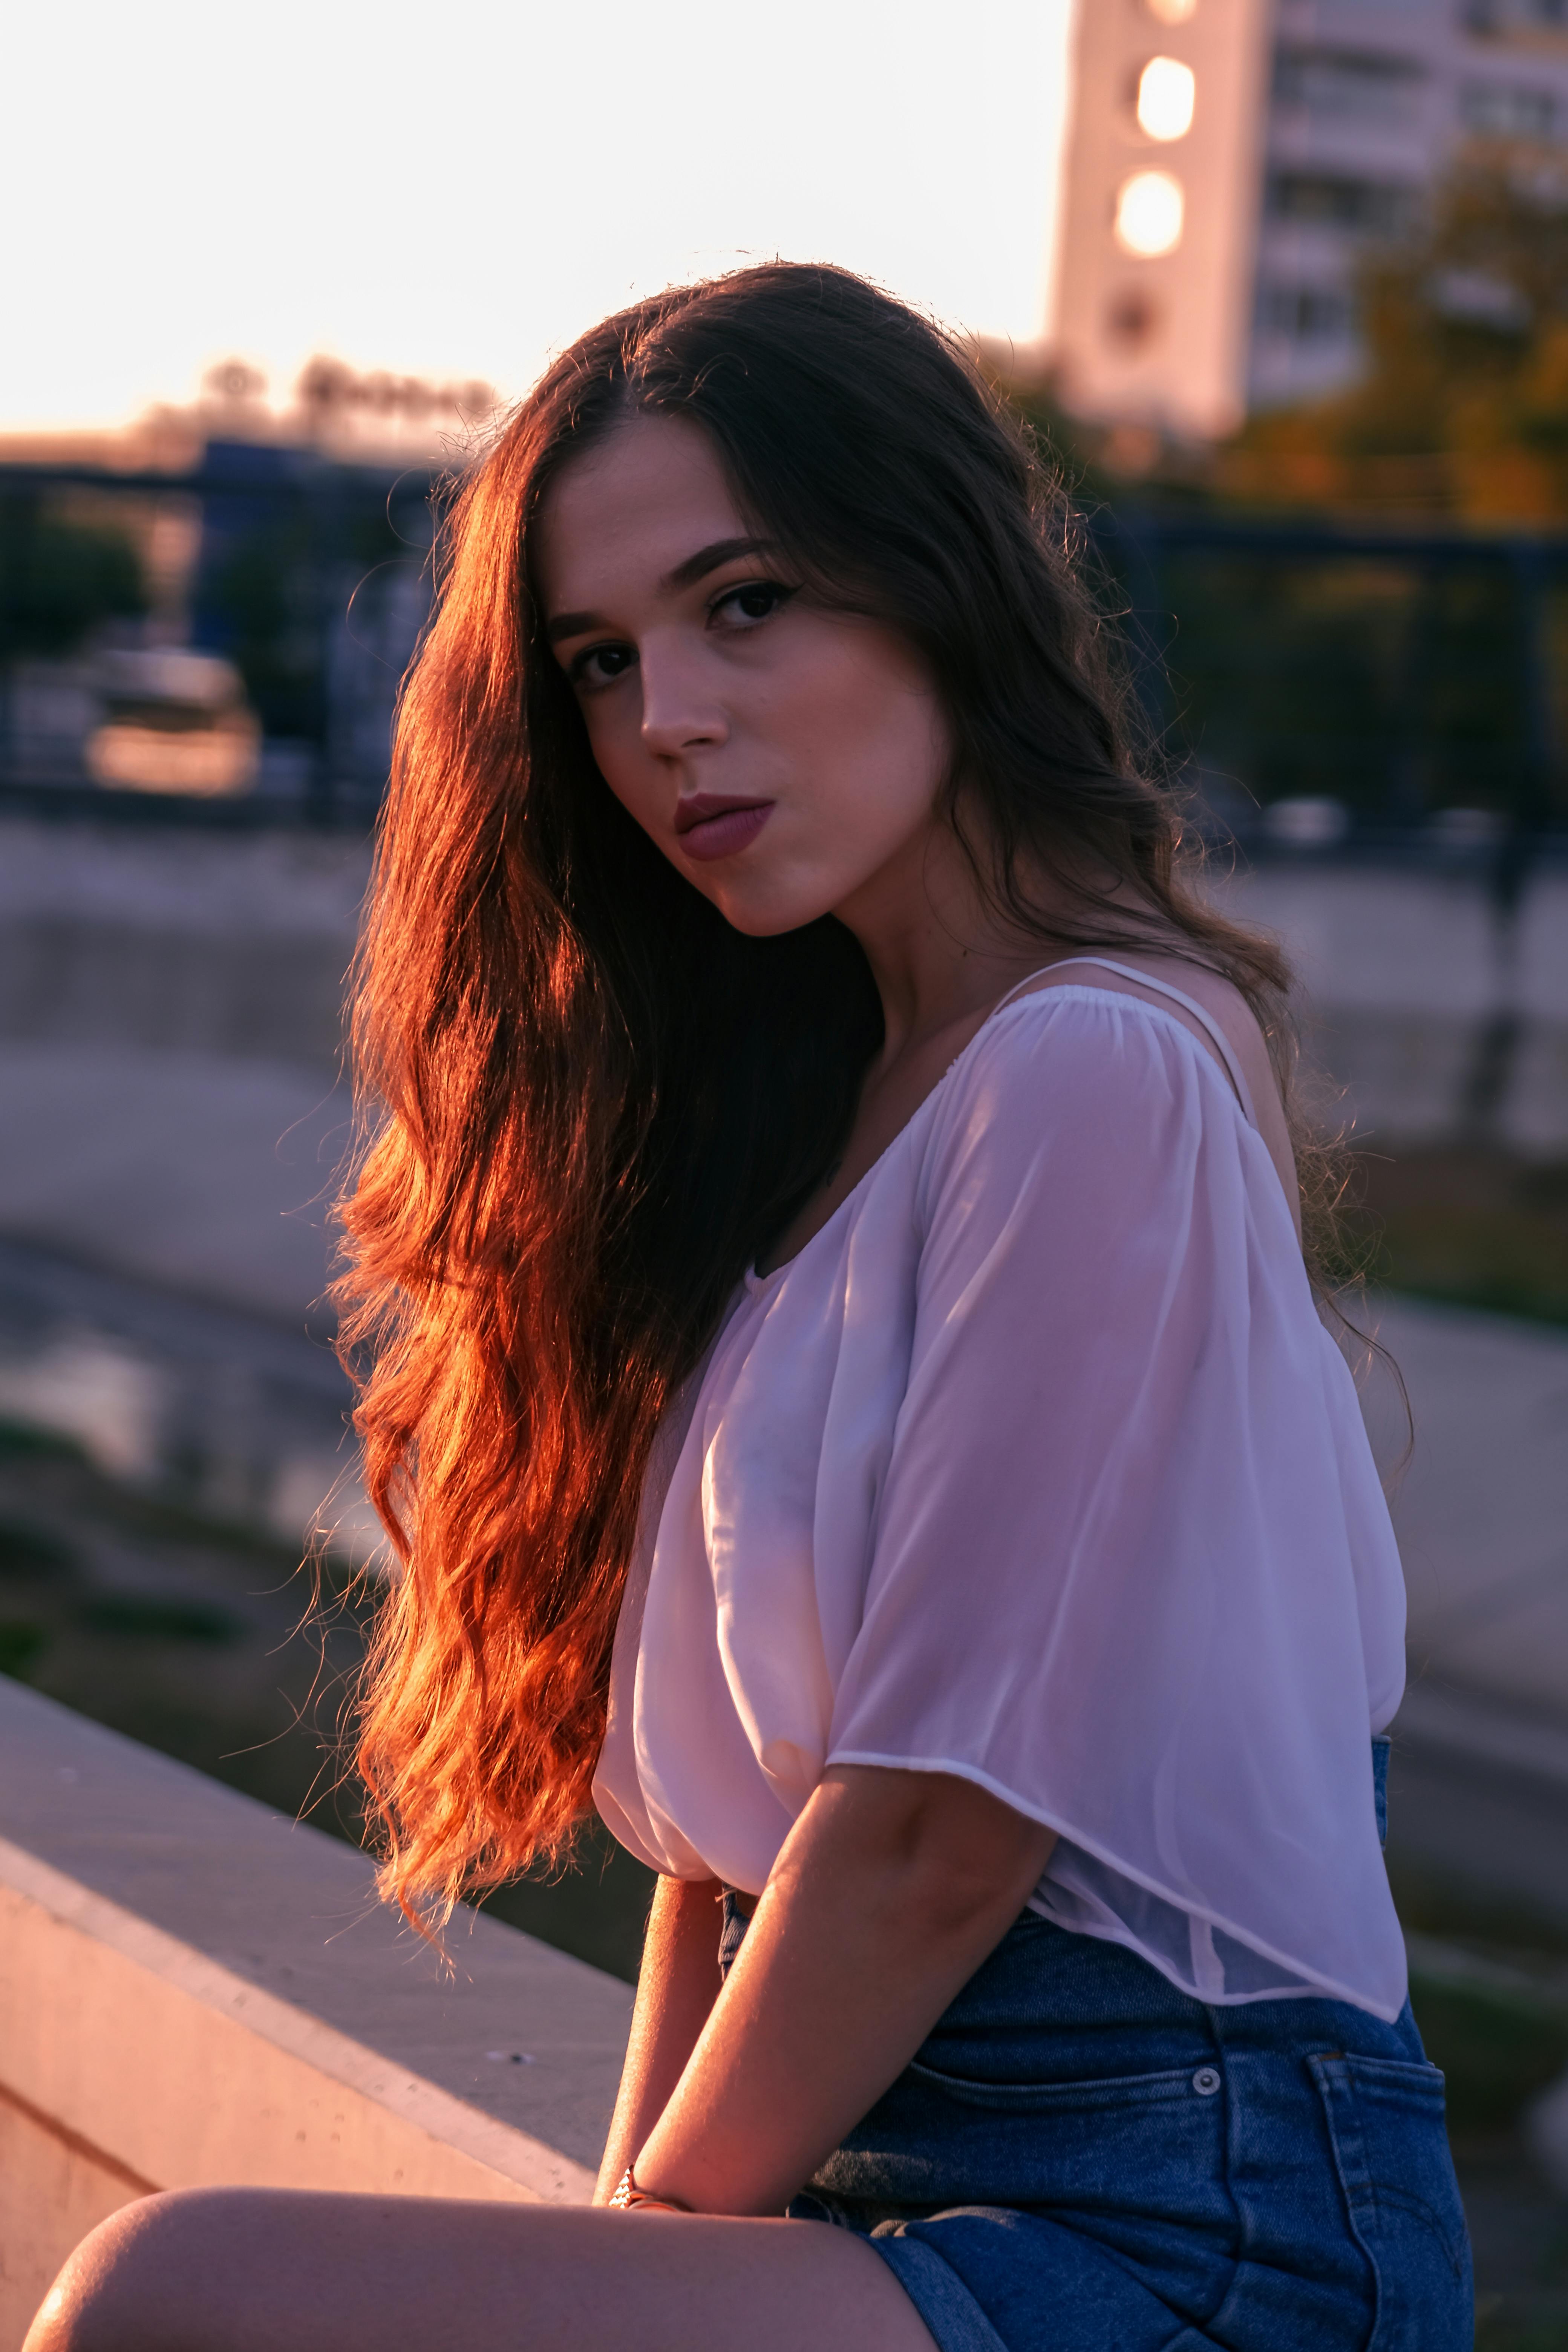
(685, 575)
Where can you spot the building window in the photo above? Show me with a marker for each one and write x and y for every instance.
(1500, 111)
(1359, 85)
(1149, 206)
(1515, 15)
(1335, 200)
(1167, 93)
(1131, 321)
(1305, 314)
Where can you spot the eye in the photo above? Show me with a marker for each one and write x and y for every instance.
(598, 665)
(754, 601)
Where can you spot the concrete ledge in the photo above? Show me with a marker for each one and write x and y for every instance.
(180, 2072)
(198, 1991)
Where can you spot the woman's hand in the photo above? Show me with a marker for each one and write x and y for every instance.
(890, 1890)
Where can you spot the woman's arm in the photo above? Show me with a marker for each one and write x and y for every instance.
(677, 1985)
(890, 1890)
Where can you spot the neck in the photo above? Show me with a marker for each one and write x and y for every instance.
(938, 951)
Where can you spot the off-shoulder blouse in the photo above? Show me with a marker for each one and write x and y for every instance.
(1036, 1465)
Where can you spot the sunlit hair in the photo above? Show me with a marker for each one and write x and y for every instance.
(591, 1104)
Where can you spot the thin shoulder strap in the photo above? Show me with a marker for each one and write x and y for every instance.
(1205, 1021)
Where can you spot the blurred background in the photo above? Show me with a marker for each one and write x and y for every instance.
(1283, 284)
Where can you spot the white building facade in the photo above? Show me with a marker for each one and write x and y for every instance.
(1229, 162)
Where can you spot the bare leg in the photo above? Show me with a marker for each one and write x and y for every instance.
(259, 2270)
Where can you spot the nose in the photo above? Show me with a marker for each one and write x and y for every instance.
(679, 711)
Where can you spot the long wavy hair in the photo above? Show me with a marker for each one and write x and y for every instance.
(566, 1169)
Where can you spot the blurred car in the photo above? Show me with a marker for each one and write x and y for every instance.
(1459, 829)
(1306, 823)
(176, 721)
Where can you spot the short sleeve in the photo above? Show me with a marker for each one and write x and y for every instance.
(1112, 1579)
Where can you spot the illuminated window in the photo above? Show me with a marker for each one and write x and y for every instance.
(1167, 92)
(1148, 209)
(1173, 12)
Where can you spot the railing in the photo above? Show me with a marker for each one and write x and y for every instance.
(1396, 670)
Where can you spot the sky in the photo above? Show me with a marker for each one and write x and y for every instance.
(457, 193)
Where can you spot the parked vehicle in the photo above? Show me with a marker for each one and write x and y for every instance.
(176, 721)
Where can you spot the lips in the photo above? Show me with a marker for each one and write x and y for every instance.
(717, 824)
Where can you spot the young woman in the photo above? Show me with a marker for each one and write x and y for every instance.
(847, 1387)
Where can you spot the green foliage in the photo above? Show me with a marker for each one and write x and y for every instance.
(1071, 448)
(22, 1644)
(21, 1438)
(1502, 2332)
(1394, 685)
(1497, 2053)
(59, 578)
(271, 601)
(1398, 684)
(1473, 1227)
(26, 1551)
(260, 599)
(1463, 408)
(146, 1618)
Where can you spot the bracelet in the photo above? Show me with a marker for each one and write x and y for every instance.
(628, 2195)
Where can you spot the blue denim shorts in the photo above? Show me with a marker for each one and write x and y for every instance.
(1082, 2158)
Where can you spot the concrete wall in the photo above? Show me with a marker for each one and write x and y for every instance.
(170, 1025)
(1426, 1017)
(174, 940)
(195, 1991)
(171, 967)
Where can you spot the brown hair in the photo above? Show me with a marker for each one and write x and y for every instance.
(567, 1173)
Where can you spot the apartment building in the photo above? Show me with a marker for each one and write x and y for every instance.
(1228, 163)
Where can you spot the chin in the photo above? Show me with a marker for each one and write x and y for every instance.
(757, 922)
(763, 914)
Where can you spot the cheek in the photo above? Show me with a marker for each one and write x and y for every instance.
(614, 739)
(885, 746)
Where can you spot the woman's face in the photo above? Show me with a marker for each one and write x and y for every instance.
(786, 759)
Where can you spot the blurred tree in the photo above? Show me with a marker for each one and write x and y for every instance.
(58, 578)
(1463, 408)
(276, 576)
(259, 605)
(334, 404)
(1100, 463)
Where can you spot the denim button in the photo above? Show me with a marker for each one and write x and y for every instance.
(1206, 2082)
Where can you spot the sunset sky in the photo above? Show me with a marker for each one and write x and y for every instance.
(456, 193)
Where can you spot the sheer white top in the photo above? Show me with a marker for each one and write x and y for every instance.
(1035, 1465)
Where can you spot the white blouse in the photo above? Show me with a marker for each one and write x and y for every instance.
(1036, 1465)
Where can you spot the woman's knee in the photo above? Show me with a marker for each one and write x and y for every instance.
(125, 2288)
